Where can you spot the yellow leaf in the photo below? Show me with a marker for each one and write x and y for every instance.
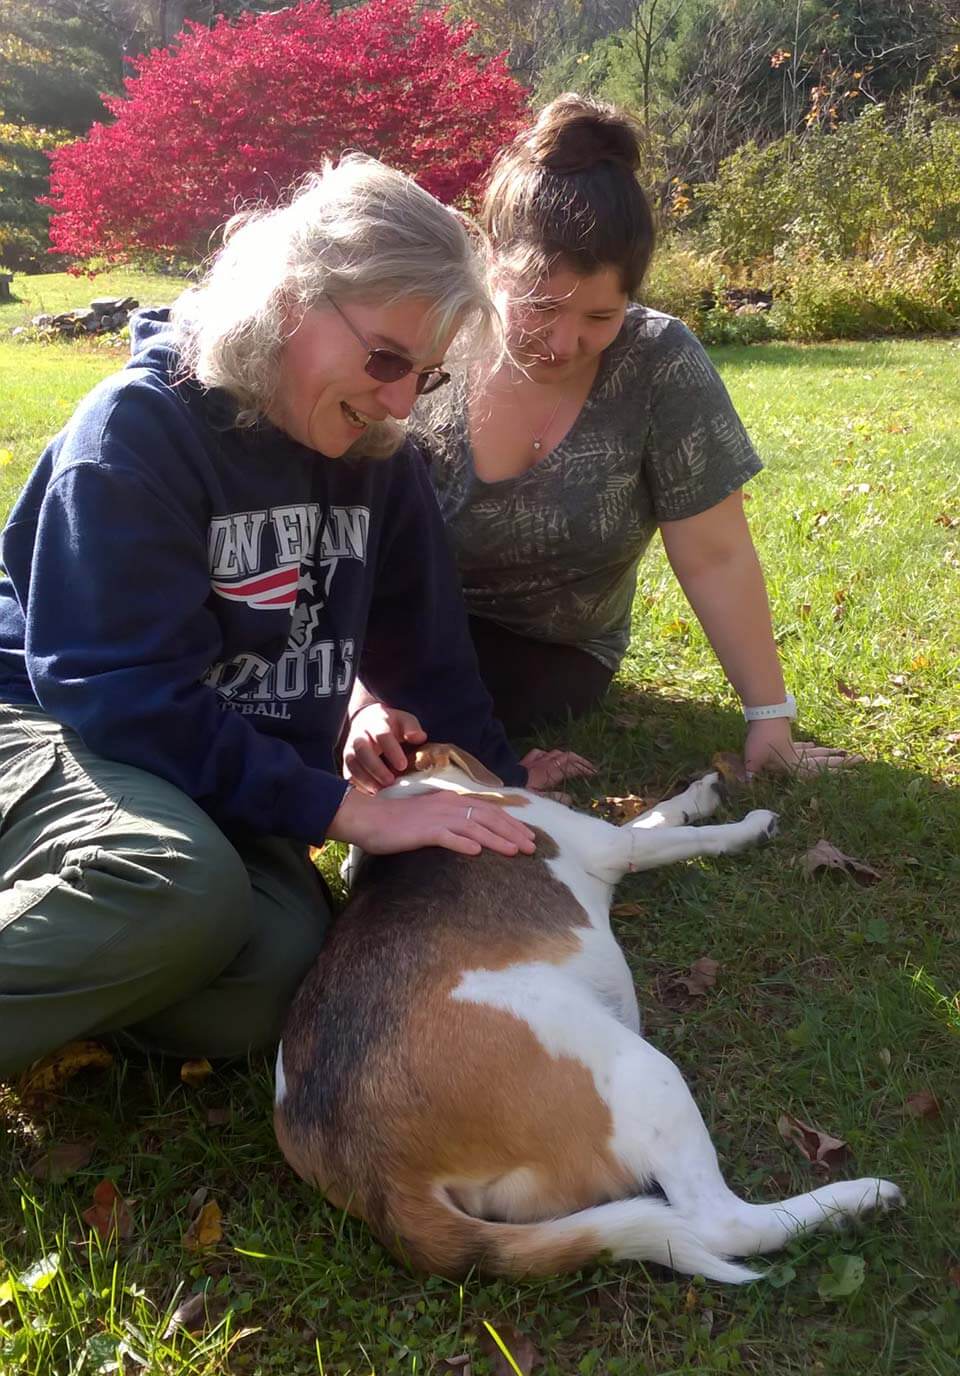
(206, 1229)
(193, 1073)
(49, 1074)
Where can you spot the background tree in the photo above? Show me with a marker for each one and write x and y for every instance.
(239, 111)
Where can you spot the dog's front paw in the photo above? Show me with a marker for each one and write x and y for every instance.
(763, 825)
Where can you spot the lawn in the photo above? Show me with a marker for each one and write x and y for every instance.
(835, 1001)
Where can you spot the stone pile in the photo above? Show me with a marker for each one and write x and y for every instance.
(103, 316)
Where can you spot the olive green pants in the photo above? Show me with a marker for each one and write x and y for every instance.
(123, 906)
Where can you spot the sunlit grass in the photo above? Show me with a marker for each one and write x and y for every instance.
(834, 1002)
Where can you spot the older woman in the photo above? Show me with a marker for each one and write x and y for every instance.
(202, 559)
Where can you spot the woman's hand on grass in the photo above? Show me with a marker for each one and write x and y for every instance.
(373, 753)
(770, 748)
(386, 826)
(548, 768)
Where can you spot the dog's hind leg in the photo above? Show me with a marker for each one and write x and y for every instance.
(660, 1134)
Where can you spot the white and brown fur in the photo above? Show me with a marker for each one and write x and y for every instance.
(463, 1067)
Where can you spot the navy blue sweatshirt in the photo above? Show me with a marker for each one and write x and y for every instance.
(196, 599)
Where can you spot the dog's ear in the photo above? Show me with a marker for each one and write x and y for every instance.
(433, 757)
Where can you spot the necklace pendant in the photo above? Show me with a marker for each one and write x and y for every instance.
(537, 445)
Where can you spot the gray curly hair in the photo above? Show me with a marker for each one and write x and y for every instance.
(358, 230)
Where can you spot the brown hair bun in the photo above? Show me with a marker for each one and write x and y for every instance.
(566, 191)
(572, 135)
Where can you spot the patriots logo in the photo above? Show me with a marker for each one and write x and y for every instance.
(278, 589)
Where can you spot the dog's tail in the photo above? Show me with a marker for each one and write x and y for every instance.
(432, 1232)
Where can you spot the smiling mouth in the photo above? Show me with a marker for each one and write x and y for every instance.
(354, 417)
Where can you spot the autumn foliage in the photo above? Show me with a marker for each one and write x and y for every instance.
(238, 112)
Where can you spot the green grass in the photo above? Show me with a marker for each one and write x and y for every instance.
(833, 1002)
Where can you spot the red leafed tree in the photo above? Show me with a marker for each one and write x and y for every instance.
(238, 112)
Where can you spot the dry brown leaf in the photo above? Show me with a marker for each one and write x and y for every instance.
(923, 1103)
(218, 1117)
(206, 1230)
(845, 690)
(730, 766)
(623, 809)
(804, 610)
(47, 1075)
(702, 976)
(675, 990)
(820, 1149)
(109, 1215)
(193, 1073)
(825, 855)
(196, 1201)
(57, 1163)
(525, 1356)
(948, 522)
(628, 910)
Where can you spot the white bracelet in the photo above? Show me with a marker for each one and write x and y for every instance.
(779, 709)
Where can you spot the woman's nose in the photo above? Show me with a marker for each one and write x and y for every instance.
(398, 397)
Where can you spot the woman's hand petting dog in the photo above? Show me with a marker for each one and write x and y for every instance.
(385, 826)
(373, 753)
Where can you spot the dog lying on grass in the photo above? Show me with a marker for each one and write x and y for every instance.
(463, 1067)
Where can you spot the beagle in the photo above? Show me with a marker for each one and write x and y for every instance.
(463, 1067)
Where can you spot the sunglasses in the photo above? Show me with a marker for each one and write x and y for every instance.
(386, 366)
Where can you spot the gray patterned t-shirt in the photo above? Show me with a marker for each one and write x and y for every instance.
(553, 553)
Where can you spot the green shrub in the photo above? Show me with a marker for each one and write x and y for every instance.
(838, 194)
(892, 294)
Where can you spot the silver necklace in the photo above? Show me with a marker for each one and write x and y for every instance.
(538, 439)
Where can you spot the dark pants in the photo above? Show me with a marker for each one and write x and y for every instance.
(534, 681)
(124, 907)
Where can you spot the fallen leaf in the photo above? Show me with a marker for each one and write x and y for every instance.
(206, 1230)
(824, 855)
(920, 661)
(218, 1117)
(819, 1148)
(804, 610)
(59, 1162)
(109, 1215)
(846, 691)
(509, 1352)
(47, 1075)
(730, 767)
(675, 990)
(923, 1103)
(623, 809)
(196, 1313)
(315, 853)
(948, 522)
(193, 1073)
(459, 1363)
(702, 976)
(628, 910)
